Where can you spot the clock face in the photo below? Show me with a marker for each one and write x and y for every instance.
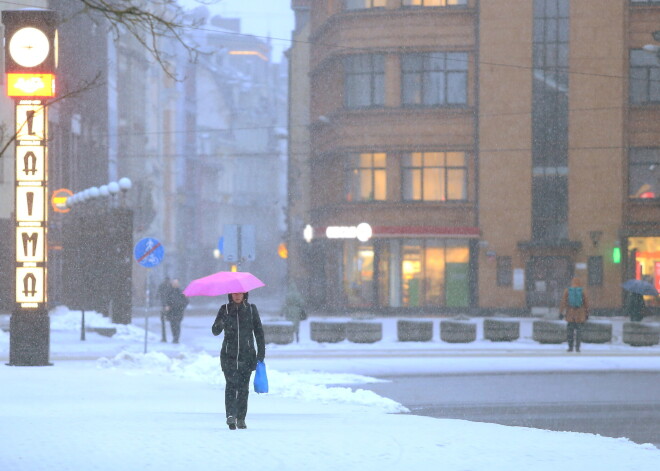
(29, 47)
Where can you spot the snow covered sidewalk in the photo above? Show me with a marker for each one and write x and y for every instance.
(137, 412)
(105, 405)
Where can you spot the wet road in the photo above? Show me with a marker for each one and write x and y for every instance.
(612, 404)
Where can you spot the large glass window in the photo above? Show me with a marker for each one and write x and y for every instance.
(434, 176)
(366, 178)
(432, 3)
(434, 78)
(359, 274)
(550, 119)
(364, 4)
(644, 173)
(364, 80)
(644, 77)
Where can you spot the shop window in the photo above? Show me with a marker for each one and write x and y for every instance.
(433, 3)
(364, 4)
(366, 178)
(434, 273)
(364, 80)
(644, 173)
(434, 78)
(359, 275)
(644, 77)
(504, 271)
(434, 176)
(595, 271)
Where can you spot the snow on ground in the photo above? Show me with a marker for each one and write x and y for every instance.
(106, 405)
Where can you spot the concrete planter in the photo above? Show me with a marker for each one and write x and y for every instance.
(597, 332)
(327, 332)
(639, 334)
(549, 332)
(501, 330)
(414, 331)
(105, 331)
(458, 331)
(364, 332)
(280, 333)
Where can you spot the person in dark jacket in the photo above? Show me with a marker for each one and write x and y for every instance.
(635, 306)
(175, 305)
(238, 358)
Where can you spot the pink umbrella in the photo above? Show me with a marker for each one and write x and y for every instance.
(223, 282)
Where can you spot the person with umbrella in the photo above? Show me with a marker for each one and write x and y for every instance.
(241, 324)
(575, 308)
(634, 306)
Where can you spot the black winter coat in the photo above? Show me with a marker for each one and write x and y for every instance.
(242, 325)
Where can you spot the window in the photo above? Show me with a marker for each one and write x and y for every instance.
(434, 79)
(433, 3)
(645, 1)
(434, 176)
(366, 178)
(364, 80)
(644, 173)
(364, 4)
(504, 271)
(595, 271)
(644, 77)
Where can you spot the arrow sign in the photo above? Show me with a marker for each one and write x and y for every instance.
(149, 252)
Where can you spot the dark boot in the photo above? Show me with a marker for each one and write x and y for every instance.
(231, 421)
(240, 423)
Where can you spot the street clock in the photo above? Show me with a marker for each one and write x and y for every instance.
(30, 41)
(29, 47)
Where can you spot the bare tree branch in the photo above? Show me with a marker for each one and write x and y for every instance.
(83, 87)
(149, 21)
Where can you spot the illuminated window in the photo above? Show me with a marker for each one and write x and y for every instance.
(434, 78)
(366, 177)
(434, 176)
(364, 4)
(644, 77)
(433, 3)
(644, 173)
(364, 80)
(359, 275)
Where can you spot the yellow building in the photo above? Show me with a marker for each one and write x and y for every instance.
(495, 148)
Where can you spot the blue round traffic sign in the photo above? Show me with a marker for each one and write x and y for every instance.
(149, 252)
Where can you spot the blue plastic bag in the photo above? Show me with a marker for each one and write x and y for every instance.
(260, 378)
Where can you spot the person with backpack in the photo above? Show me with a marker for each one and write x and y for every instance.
(574, 308)
(238, 357)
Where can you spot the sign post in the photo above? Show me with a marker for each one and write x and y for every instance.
(30, 65)
(148, 252)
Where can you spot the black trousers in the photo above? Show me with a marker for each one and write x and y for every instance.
(175, 324)
(574, 332)
(236, 391)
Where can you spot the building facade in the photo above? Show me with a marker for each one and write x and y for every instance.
(496, 149)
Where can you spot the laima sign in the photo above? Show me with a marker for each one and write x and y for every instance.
(30, 66)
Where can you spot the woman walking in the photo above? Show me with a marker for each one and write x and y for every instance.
(238, 358)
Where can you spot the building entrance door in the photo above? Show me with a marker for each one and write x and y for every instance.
(547, 277)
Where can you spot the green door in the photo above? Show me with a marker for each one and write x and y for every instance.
(458, 286)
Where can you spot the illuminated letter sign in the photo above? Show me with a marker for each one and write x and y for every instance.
(30, 285)
(30, 122)
(30, 245)
(30, 162)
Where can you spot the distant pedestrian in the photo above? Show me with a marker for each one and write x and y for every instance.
(175, 305)
(241, 324)
(575, 308)
(163, 290)
(635, 306)
(293, 309)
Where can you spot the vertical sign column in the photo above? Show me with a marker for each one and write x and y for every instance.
(31, 205)
(30, 326)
